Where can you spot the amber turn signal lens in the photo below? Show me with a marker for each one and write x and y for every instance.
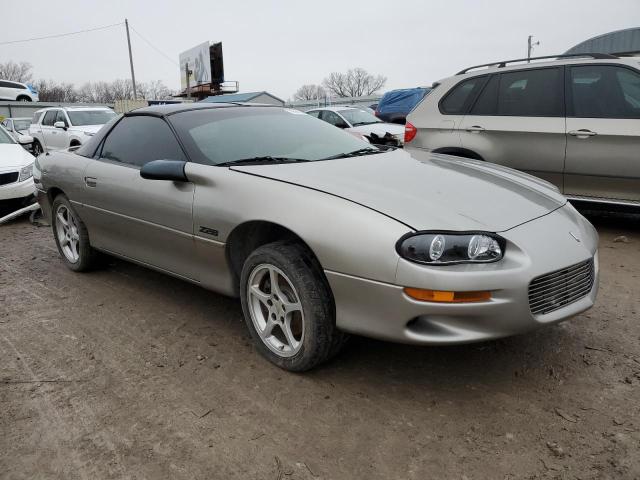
(446, 297)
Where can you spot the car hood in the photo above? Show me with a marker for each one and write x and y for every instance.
(426, 191)
(379, 129)
(13, 156)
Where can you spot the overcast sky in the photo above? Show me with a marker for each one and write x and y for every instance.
(279, 45)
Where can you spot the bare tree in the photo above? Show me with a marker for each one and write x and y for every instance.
(356, 82)
(16, 72)
(309, 92)
(154, 90)
(50, 91)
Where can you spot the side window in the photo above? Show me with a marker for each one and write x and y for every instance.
(61, 117)
(49, 118)
(315, 113)
(458, 100)
(333, 118)
(140, 139)
(4, 84)
(531, 93)
(487, 103)
(5, 124)
(604, 91)
(36, 117)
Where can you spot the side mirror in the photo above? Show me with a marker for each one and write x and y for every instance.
(25, 139)
(60, 125)
(172, 170)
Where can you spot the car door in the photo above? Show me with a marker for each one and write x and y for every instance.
(603, 132)
(58, 138)
(6, 91)
(48, 130)
(149, 221)
(518, 120)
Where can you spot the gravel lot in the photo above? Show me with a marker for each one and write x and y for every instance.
(126, 373)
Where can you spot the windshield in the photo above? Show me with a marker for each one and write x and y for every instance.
(222, 135)
(358, 117)
(4, 136)
(21, 124)
(90, 117)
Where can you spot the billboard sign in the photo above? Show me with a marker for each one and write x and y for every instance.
(199, 60)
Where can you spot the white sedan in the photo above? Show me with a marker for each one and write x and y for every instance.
(16, 174)
(359, 121)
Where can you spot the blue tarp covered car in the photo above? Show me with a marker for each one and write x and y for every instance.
(395, 105)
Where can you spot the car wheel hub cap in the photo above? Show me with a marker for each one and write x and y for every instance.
(275, 310)
(67, 233)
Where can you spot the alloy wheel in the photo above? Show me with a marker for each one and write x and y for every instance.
(67, 233)
(275, 309)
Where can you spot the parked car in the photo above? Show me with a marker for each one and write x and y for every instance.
(321, 234)
(396, 104)
(574, 121)
(16, 177)
(58, 128)
(16, 91)
(18, 128)
(358, 120)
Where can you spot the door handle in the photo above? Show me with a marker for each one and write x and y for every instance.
(91, 181)
(475, 128)
(582, 133)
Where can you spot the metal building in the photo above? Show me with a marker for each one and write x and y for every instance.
(627, 40)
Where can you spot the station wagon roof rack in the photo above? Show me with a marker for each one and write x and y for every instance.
(502, 64)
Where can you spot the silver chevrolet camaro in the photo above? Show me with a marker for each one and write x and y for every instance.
(319, 233)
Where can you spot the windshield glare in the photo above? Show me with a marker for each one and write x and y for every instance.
(359, 117)
(90, 117)
(220, 135)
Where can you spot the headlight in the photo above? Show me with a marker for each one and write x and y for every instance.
(26, 173)
(446, 248)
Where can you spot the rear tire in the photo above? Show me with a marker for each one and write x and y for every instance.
(292, 325)
(23, 99)
(72, 237)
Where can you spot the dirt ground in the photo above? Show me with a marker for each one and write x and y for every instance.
(126, 373)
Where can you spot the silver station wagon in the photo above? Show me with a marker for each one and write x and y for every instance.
(319, 233)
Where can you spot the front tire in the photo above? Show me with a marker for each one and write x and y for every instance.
(37, 148)
(288, 307)
(71, 236)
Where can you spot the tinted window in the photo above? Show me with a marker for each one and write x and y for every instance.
(141, 139)
(487, 103)
(4, 84)
(217, 135)
(531, 93)
(602, 91)
(61, 118)
(333, 118)
(314, 113)
(90, 117)
(49, 118)
(459, 99)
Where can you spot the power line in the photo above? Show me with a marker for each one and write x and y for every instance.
(61, 34)
(154, 47)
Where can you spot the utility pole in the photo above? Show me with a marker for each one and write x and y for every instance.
(530, 47)
(133, 75)
(187, 74)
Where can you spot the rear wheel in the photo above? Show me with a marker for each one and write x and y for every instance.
(288, 307)
(23, 99)
(71, 236)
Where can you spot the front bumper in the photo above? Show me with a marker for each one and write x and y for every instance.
(17, 190)
(383, 310)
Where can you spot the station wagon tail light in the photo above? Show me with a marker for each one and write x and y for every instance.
(409, 132)
(443, 296)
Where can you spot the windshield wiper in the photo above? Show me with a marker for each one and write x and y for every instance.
(355, 153)
(357, 124)
(259, 160)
